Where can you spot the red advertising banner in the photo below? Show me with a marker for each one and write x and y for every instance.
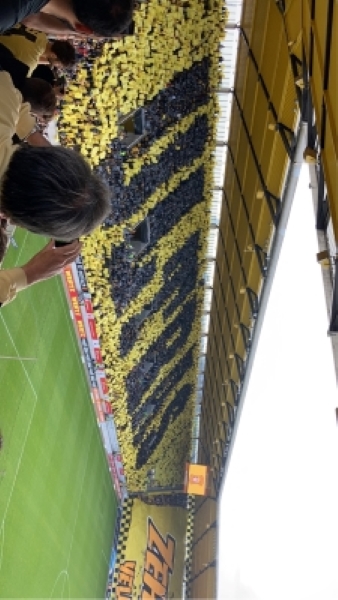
(98, 404)
(70, 281)
(92, 328)
(119, 466)
(96, 395)
(82, 308)
(74, 301)
(104, 385)
(98, 355)
(88, 306)
(114, 474)
(107, 408)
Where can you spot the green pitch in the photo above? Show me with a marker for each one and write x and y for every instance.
(57, 503)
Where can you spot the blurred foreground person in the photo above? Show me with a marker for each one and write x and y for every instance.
(50, 191)
(104, 18)
(41, 97)
(33, 47)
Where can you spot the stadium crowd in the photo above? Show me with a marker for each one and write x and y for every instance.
(166, 177)
(34, 176)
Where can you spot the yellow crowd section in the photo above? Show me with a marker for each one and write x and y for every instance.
(127, 75)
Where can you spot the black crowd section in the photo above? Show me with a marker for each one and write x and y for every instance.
(186, 92)
(127, 279)
(149, 444)
(159, 396)
(163, 218)
(180, 276)
(160, 354)
(181, 153)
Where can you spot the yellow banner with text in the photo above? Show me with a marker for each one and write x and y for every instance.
(153, 548)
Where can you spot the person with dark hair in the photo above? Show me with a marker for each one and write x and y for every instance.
(59, 53)
(40, 96)
(47, 74)
(50, 191)
(44, 72)
(104, 18)
(33, 47)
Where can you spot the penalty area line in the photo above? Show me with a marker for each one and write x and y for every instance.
(20, 358)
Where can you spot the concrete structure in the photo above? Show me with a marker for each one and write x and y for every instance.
(284, 110)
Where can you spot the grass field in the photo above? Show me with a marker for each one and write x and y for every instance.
(57, 503)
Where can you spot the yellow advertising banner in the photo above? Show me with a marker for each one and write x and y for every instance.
(152, 552)
(196, 479)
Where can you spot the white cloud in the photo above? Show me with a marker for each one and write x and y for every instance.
(279, 531)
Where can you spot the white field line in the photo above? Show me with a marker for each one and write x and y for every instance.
(27, 430)
(80, 497)
(64, 572)
(20, 358)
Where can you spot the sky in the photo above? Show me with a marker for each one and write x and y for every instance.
(279, 506)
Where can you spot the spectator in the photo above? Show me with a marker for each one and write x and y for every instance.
(38, 95)
(50, 191)
(32, 47)
(47, 74)
(104, 18)
(167, 176)
(41, 97)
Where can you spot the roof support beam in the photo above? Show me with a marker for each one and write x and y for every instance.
(272, 201)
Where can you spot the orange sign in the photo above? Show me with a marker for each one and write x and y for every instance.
(196, 479)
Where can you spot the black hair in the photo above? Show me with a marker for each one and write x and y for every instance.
(44, 72)
(52, 191)
(40, 96)
(64, 51)
(3, 243)
(104, 17)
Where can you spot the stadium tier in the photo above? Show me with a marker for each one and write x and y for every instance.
(198, 120)
(148, 267)
(143, 112)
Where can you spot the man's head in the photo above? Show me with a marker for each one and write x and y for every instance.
(52, 191)
(40, 96)
(60, 53)
(46, 73)
(104, 18)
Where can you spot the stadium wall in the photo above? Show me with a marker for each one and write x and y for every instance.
(82, 313)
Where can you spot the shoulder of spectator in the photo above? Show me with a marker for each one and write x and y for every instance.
(26, 122)
(10, 104)
(47, 23)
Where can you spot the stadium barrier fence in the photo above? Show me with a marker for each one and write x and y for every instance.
(81, 307)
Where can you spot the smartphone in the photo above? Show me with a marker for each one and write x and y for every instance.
(60, 243)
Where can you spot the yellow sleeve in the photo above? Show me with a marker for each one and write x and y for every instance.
(36, 51)
(26, 121)
(26, 44)
(10, 104)
(11, 282)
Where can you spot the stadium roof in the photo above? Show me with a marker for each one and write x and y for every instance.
(228, 54)
(264, 151)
